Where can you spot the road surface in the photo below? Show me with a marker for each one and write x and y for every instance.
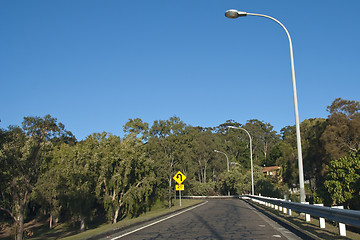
(215, 219)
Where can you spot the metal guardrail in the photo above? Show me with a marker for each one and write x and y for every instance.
(350, 217)
(212, 197)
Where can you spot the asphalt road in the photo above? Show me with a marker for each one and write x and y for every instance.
(215, 219)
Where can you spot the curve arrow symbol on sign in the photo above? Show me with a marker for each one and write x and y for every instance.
(179, 177)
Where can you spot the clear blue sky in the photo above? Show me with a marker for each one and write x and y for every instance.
(93, 64)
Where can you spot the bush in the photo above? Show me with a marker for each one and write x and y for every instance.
(195, 188)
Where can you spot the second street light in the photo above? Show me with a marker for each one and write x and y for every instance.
(227, 163)
(251, 160)
(227, 159)
(235, 14)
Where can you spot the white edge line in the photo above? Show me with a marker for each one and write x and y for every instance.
(138, 229)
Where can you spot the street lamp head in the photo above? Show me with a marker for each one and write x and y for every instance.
(232, 13)
(216, 151)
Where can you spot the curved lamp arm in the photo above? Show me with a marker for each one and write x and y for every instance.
(227, 159)
(235, 14)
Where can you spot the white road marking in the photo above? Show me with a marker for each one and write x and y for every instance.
(138, 229)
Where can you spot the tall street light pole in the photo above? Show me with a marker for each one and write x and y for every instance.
(251, 159)
(235, 14)
(227, 163)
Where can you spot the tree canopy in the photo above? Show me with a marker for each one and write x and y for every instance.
(117, 177)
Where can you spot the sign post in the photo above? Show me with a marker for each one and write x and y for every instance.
(179, 178)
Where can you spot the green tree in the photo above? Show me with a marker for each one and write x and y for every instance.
(166, 149)
(240, 180)
(46, 193)
(236, 144)
(267, 188)
(79, 180)
(343, 181)
(264, 139)
(72, 189)
(342, 133)
(233, 182)
(313, 151)
(126, 181)
(137, 128)
(22, 153)
(284, 154)
(201, 148)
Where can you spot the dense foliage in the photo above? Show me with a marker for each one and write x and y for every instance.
(46, 171)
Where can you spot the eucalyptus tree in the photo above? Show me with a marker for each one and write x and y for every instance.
(313, 151)
(264, 138)
(201, 150)
(322, 140)
(165, 149)
(23, 152)
(71, 190)
(79, 179)
(137, 128)
(126, 182)
(284, 154)
(46, 193)
(232, 142)
(237, 144)
(342, 133)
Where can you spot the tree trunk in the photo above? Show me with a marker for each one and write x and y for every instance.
(20, 224)
(120, 203)
(82, 223)
(169, 195)
(50, 221)
(205, 173)
(116, 214)
(265, 149)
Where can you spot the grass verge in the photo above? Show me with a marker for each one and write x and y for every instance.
(67, 231)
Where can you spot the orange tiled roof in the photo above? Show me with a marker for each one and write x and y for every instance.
(268, 169)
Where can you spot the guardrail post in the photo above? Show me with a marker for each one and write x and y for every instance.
(284, 210)
(342, 226)
(321, 220)
(289, 209)
(307, 216)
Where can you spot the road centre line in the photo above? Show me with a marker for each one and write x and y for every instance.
(138, 229)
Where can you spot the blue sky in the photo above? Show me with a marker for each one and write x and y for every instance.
(94, 64)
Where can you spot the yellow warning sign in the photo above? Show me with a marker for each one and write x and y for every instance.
(179, 177)
(180, 187)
